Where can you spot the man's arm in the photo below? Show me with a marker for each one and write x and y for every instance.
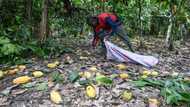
(112, 24)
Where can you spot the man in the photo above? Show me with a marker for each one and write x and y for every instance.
(107, 24)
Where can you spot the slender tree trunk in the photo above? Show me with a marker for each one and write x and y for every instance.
(168, 41)
(29, 10)
(1, 2)
(44, 21)
(169, 36)
(140, 23)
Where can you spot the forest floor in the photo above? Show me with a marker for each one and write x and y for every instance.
(37, 92)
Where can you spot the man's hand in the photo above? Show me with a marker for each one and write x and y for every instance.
(95, 41)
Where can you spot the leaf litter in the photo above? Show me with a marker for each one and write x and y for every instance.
(116, 84)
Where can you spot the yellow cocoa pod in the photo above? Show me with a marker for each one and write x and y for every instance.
(91, 91)
(55, 97)
(123, 75)
(37, 74)
(22, 80)
(121, 67)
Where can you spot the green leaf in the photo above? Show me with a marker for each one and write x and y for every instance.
(171, 99)
(73, 76)
(4, 40)
(185, 96)
(56, 77)
(104, 80)
(42, 86)
(155, 82)
(113, 76)
(163, 92)
(140, 83)
(84, 82)
(168, 91)
(28, 85)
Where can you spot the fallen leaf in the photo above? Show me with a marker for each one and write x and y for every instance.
(68, 60)
(12, 71)
(29, 85)
(187, 79)
(42, 86)
(175, 74)
(8, 90)
(84, 82)
(50, 84)
(73, 76)
(104, 80)
(114, 76)
(4, 101)
(18, 91)
(83, 58)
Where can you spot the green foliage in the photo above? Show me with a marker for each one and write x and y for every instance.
(42, 86)
(174, 90)
(84, 82)
(55, 47)
(73, 76)
(16, 43)
(8, 50)
(104, 80)
(56, 77)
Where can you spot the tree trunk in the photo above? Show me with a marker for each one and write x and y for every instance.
(169, 36)
(1, 2)
(140, 23)
(168, 41)
(44, 21)
(29, 10)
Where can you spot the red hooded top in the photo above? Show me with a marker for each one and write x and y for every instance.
(103, 25)
(102, 21)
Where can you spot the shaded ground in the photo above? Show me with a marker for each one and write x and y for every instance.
(74, 94)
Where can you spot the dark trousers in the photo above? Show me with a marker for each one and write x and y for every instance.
(121, 33)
